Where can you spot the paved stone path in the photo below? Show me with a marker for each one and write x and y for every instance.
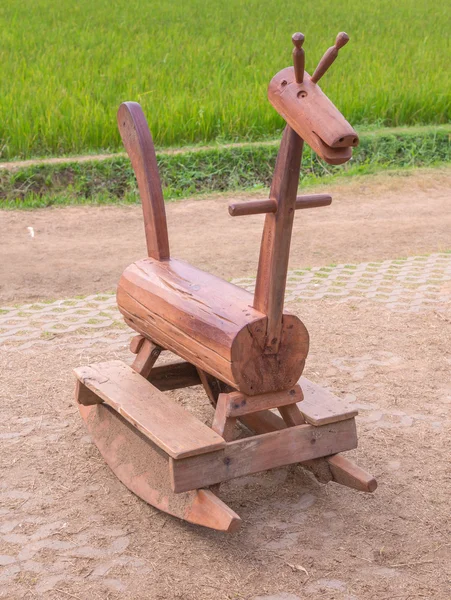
(414, 284)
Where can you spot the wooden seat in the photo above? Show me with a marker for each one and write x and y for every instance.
(166, 423)
(320, 406)
(212, 324)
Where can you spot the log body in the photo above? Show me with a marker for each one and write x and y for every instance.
(210, 323)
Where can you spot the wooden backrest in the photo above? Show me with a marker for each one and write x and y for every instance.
(138, 142)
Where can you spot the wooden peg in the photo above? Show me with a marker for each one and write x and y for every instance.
(258, 207)
(329, 56)
(298, 56)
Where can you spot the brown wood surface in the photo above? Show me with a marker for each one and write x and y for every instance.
(237, 404)
(267, 421)
(174, 376)
(210, 511)
(166, 423)
(138, 142)
(312, 201)
(329, 56)
(312, 115)
(211, 324)
(223, 424)
(146, 358)
(143, 468)
(298, 56)
(262, 452)
(252, 207)
(335, 468)
(320, 406)
(213, 386)
(135, 343)
(275, 245)
(291, 415)
(258, 207)
(263, 422)
(349, 474)
(84, 396)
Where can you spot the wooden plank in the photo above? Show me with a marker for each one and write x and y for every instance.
(320, 406)
(275, 245)
(143, 468)
(138, 142)
(238, 404)
(174, 376)
(262, 452)
(166, 423)
(146, 358)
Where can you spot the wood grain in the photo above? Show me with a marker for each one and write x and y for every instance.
(143, 468)
(275, 245)
(291, 415)
(138, 142)
(262, 452)
(313, 116)
(349, 474)
(166, 423)
(223, 424)
(237, 404)
(211, 324)
(320, 406)
(146, 358)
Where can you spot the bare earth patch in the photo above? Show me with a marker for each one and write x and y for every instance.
(83, 250)
(69, 529)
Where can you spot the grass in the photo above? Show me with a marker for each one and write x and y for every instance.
(201, 68)
(212, 170)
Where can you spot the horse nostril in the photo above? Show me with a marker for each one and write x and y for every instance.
(341, 139)
(302, 94)
(354, 141)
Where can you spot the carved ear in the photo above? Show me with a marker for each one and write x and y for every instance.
(138, 142)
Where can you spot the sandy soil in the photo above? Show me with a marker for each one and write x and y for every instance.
(69, 529)
(83, 250)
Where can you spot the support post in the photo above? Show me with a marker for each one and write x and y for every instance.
(275, 245)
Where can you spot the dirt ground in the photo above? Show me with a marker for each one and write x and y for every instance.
(83, 250)
(69, 529)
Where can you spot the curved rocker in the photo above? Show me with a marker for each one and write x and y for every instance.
(143, 468)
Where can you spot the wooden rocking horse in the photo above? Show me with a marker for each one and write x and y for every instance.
(243, 349)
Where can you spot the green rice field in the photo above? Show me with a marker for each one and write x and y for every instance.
(200, 68)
